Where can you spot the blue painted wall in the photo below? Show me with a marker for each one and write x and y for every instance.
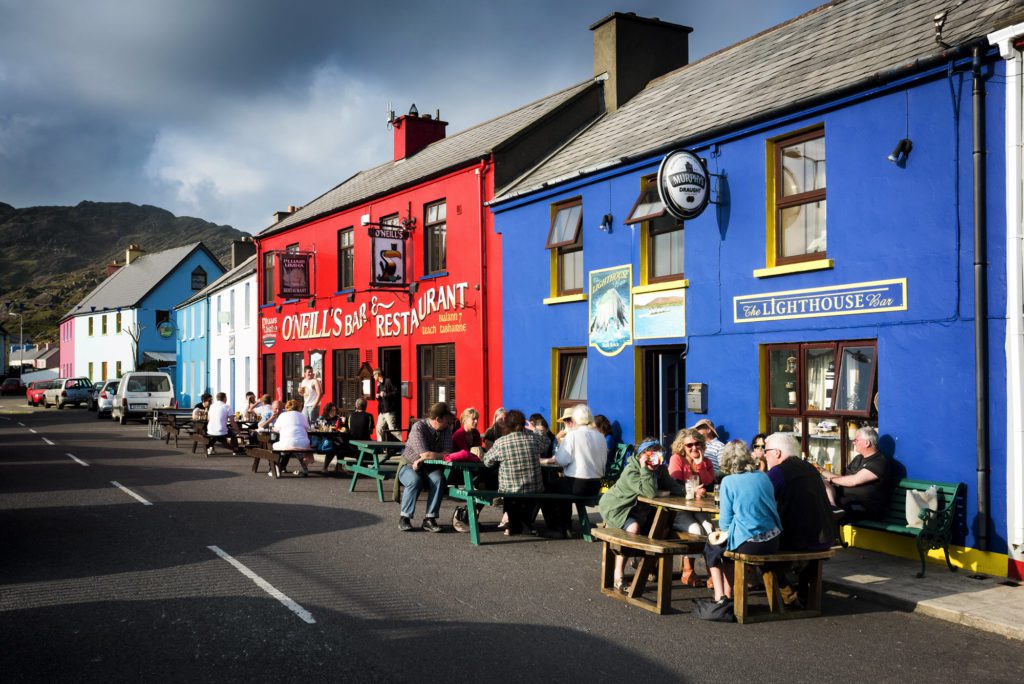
(191, 352)
(883, 222)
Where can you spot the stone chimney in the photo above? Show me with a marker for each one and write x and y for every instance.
(633, 51)
(414, 132)
(133, 252)
(241, 250)
(112, 268)
(282, 215)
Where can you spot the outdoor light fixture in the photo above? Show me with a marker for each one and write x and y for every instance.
(277, 308)
(312, 302)
(902, 151)
(350, 297)
(413, 288)
(606, 223)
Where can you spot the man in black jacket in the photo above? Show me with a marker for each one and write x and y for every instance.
(387, 408)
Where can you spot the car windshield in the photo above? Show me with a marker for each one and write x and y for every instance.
(149, 383)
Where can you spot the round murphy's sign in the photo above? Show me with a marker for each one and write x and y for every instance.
(683, 184)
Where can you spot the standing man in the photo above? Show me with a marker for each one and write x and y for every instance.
(387, 407)
(312, 392)
(429, 438)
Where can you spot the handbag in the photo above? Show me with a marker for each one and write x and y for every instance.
(720, 611)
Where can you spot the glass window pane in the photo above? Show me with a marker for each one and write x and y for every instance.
(790, 424)
(823, 444)
(667, 251)
(803, 167)
(819, 371)
(566, 221)
(803, 229)
(575, 379)
(571, 271)
(855, 370)
(782, 365)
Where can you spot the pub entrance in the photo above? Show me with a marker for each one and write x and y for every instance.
(664, 393)
(390, 364)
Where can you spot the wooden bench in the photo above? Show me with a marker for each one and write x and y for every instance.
(938, 525)
(170, 429)
(472, 497)
(199, 436)
(621, 543)
(274, 458)
(371, 463)
(769, 565)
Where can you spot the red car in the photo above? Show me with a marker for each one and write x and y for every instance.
(35, 390)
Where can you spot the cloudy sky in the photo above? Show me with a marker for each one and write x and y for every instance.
(231, 109)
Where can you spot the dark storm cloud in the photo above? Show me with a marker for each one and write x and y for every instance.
(229, 110)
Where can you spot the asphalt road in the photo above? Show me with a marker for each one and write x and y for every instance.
(231, 576)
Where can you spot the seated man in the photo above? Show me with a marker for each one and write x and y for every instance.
(267, 421)
(863, 492)
(221, 426)
(799, 495)
(712, 445)
(518, 452)
(430, 438)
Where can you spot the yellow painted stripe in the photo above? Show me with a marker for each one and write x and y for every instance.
(962, 557)
(564, 299)
(660, 287)
(801, 267)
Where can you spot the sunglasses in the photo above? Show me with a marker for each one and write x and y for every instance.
(692, 445)
(759, 446)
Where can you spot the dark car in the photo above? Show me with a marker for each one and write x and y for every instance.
(12, 387)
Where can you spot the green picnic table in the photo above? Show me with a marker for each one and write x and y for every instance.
(370, 464)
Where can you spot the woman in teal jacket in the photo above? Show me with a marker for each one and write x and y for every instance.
(618, 505)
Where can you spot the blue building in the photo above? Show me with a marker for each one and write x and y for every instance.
(830, 283)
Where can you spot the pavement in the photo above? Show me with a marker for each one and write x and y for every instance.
(985, 602)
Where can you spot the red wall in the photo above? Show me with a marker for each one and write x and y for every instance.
(473, 273)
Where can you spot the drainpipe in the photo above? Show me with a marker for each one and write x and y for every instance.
(484, 333)
(980, 300)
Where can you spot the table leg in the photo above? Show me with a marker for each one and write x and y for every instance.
(471, 515)
(355, 474)
(378, 478)
(607, 566)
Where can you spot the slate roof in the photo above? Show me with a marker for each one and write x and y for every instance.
(130, 284)
(443, 155)
(832, 47)
(240, 272)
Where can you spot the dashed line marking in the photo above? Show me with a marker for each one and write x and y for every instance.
(49, 442)
(33, 431)
(22, 424)
(266, 586)
(130, 493)
(77, 460)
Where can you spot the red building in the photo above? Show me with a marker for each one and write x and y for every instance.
(399, 267)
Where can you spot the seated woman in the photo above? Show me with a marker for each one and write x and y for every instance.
(757, 449)
(250, 406)
(467, 437)
(293, 432)
(604, 426)
(329, 446)
(747, 515)
(331, 417)
(539, 425)
(199, 412)
(618, 505)
(582, 454)
(688, 461)
(517, 453)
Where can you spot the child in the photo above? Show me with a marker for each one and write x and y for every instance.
(618, 505)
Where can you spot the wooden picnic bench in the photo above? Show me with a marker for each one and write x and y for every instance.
(621, 543)
(170, 428)
(937, 530)
(768, 566)
(274, 458)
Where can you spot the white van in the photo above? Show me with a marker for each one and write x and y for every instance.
(139, 392)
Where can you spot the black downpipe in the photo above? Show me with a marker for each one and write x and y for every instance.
(980, 300)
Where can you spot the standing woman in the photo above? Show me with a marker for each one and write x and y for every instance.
(583, 455)
(312, 391)
(688, 461)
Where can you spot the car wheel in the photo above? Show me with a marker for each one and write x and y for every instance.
(31, 403)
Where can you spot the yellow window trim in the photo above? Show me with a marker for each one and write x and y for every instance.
(658, 287)
(801, 267)
(565, 299)
(769, 212)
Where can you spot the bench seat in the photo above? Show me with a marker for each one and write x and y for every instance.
(769, 565)
(472, 497)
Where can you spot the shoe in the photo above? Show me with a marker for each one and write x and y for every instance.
(430, 525)
(556, 534)
(458, 521)
(621, 586)
(302, 473)
(404, 524)
(790, 599)
(690, 579)
(209, 451)
(271, 473)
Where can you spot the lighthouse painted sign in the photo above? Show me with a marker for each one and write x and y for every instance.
(610, 302)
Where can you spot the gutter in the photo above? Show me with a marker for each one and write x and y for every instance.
(980, 298)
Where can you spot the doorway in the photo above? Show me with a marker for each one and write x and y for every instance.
(390, 364)
(664, 393)
(292, 374)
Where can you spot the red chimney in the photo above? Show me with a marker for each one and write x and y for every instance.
(414, 132)
(112, 268)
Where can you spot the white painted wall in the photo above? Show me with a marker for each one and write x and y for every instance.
(97, 348)
(241, 325)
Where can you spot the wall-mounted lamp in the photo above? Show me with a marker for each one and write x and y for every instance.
(606, 223)
(902, 151)
(312, 302)
(350, 297)
(277, 308)
(413, 288)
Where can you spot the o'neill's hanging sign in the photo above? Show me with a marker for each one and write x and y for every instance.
(683, 184)
(387, 247)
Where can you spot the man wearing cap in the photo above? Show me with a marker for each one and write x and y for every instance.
(567, 424)
(387, 406)
(712, 445)
(430, 438)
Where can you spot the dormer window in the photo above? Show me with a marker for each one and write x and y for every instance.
(198, 278)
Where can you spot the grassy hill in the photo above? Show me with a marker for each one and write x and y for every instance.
(54, 256)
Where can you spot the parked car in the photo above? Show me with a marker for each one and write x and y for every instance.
(34, 393)
(105, 398)
(139, 392)
(66, 391)
(93, 393)
(12, 386)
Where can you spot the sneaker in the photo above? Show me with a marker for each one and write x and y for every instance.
(209, 451)
(459, 518)
(271, 473)
(430, 525)
(404, 524)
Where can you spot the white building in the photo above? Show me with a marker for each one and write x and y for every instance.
(233, 341)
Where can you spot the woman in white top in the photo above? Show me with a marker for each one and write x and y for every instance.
(293, 433)
(582, 454)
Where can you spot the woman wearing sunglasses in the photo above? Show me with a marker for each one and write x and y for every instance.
(688, 462)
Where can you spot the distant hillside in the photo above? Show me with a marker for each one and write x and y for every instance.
(53, 256)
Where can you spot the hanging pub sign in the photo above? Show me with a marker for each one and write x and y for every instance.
(388, 253)
(294, 270)
(683, 184)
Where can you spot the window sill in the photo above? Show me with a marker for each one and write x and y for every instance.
(431, 276)
(803, 267)
(658, 287)
(267, 306)
(347, 290)
(565, 299)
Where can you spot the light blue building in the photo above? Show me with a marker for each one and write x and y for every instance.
(830, 283)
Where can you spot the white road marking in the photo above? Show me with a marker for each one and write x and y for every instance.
(49, 442)
(77, 460)
(21, 424)
(4, 418)
(33, 431)
(130, 493)
(266, 586)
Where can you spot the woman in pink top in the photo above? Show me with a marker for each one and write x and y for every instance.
(688, 461)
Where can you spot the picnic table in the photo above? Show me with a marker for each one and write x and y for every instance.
(370, 464)
(158, 416)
